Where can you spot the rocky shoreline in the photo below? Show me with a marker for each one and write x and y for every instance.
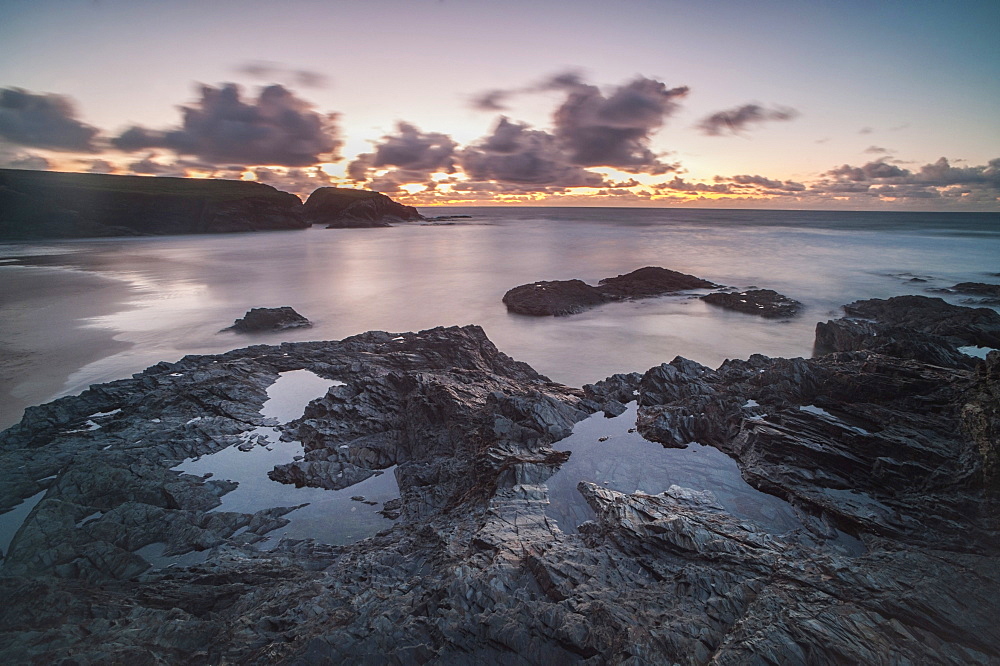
(896, 448)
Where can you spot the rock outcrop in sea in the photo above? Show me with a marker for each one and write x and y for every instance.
(338, 208)
(565, 297)
(891, 453)
(263, 320)
(761, 302)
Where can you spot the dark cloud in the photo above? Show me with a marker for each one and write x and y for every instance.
(277, 128)
(148, 167)
(866, 130)
(615, 130)
(43, 121)
(870, 171)
(763, 182)
(680, 185)
(266, 70)
(529, 158)
(414, 155)
(877, 150)
(938, 179)
(297, 181)
(741, 118)
(594, 128)
(99, 166)
(29, 161)
(491, 100)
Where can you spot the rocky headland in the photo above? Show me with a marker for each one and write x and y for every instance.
(47, 204)
(341, 208)
(565, 297)
(892, 451)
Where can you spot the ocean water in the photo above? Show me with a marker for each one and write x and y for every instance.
(175, 294)
(184, 289)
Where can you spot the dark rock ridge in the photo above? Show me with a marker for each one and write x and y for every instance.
(762, 302)
(261, 320)
(339, 208)
(45, 204)
(565, 297)
(899, 453)
(917, 327)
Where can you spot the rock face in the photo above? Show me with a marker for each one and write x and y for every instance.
(565, 297)
(338, 208)
(761, 302)
(896, 452)
(263, 320)
(917, 327)
(43, 204)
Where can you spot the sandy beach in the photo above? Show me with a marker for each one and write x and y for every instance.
(45, 330)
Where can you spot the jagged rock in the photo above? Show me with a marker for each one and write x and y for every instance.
(762, 302)
(565, 297)
(897, 452)
(963, 326)
(978, 288)
(260, 320)
(338, 208)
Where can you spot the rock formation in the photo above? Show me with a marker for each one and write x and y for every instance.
(338, 207)
(761, 302)
(897, 453)
(564, 297)
(45, 204)
(262, 320)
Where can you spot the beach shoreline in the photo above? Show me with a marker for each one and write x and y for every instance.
(38, 351)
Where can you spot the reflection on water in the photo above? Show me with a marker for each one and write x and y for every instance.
(606, 453)
(331, 515)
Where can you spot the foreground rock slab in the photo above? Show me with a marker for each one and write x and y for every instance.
(895, 453)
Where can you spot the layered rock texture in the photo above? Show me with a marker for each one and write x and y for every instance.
(338, 208)
(45, 204)
(897, 452)
(565, 297)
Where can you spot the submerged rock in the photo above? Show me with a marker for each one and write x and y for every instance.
(260, 320)
(565, 297)
(761, 302)
(896, 452)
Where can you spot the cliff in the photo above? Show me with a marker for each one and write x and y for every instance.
(338, 207)
(46, 204)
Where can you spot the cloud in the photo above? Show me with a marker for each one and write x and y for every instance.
(741, 118)
(528, 158)
(598, 129)
(614, 130)
(277, 128)
(877, 150)
(866, 130)
(28, 161)
(44, 121)
(680, 185)
(414, 155)
(270, 71)
(871, 170)
(297, 181)
(762, 182)
(491, 100)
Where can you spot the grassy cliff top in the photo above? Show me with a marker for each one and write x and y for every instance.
(211, 189)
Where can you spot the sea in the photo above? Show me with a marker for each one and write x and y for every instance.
(180, 292)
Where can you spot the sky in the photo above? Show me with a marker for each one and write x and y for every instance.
(709, 103)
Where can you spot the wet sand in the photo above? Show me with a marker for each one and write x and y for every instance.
(45, 332)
